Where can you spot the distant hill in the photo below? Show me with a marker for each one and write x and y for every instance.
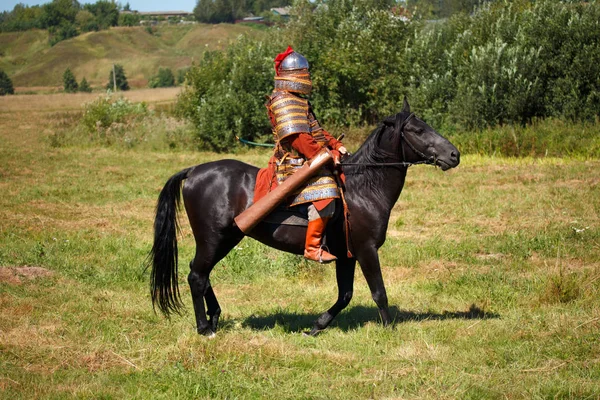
(30, 61)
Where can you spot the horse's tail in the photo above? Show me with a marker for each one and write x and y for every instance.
(163, 256)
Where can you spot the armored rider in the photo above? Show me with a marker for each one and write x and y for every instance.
(298, 138)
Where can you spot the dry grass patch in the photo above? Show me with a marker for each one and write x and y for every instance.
(75, 101)
(41, 216)
(16, 275)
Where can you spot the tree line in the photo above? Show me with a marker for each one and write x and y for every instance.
(68, 18)
(228, 11)
(438, 9)
(63, 19)
(501, 63)
(116, 80)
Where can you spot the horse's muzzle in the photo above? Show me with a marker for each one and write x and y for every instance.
(450, 161)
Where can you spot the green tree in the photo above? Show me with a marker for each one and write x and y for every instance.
(86, 22)
(69, 81)
(217, 11)
(181, 73)
(121, 79)
(63, 32)
(508, 63)
(436, 9)
(225, 93)
(59, 13)
(84, 86)
(355, 50)
(129, 19)
(21, 18)
(6, 85)
(164, 78)
(105, 12)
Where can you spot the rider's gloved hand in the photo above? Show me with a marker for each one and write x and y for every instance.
(343, 150)
(336, 157)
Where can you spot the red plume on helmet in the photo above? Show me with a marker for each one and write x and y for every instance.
(280, 57)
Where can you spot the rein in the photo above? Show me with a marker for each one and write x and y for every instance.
(400, 128)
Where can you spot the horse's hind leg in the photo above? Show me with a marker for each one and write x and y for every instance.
(212, 307)
(198, 278)
(344, 272)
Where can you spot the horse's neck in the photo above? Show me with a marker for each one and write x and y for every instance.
(378, 186)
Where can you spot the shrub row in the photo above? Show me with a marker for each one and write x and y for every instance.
(508, 63)
(117, 122)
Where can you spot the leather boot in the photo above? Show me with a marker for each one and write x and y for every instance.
(314, 235)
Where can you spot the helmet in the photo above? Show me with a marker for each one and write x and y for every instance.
(292, 74)
(294, 61)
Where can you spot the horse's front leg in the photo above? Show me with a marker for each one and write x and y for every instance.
(369, 263)
(344, 271)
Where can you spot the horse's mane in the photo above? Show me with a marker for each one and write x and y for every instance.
(371, 152)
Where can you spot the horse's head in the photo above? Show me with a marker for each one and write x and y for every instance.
(420, 142)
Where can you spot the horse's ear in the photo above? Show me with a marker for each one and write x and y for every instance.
(406, 107)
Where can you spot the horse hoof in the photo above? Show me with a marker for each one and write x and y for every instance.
(312, 333)
(209, 333)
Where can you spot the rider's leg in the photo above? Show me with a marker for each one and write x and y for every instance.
(317, 221)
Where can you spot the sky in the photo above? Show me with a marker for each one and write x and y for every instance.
(139, 5)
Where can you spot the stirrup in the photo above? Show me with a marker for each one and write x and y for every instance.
(322, 256)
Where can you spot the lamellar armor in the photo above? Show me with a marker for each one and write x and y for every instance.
(291, 115)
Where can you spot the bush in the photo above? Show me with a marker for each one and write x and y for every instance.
(107, 121)
(6, 85)
(226, 91)
(129, 19)
(69, 81)
(542, 138)
(508, 63)
(84, 86)
(181, 73)
(164, 78)
(105, 112)
(121, 83)
(62, 32)
(86, 21)
(355, 50)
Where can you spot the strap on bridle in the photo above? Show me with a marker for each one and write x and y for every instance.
(412, 147)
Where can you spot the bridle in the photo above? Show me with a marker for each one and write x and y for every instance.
(399, 127)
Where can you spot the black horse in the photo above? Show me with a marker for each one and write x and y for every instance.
(215, 192)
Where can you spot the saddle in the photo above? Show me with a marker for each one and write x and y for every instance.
(297, 215)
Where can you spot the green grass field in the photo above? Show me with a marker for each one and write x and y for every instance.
(492, 271)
